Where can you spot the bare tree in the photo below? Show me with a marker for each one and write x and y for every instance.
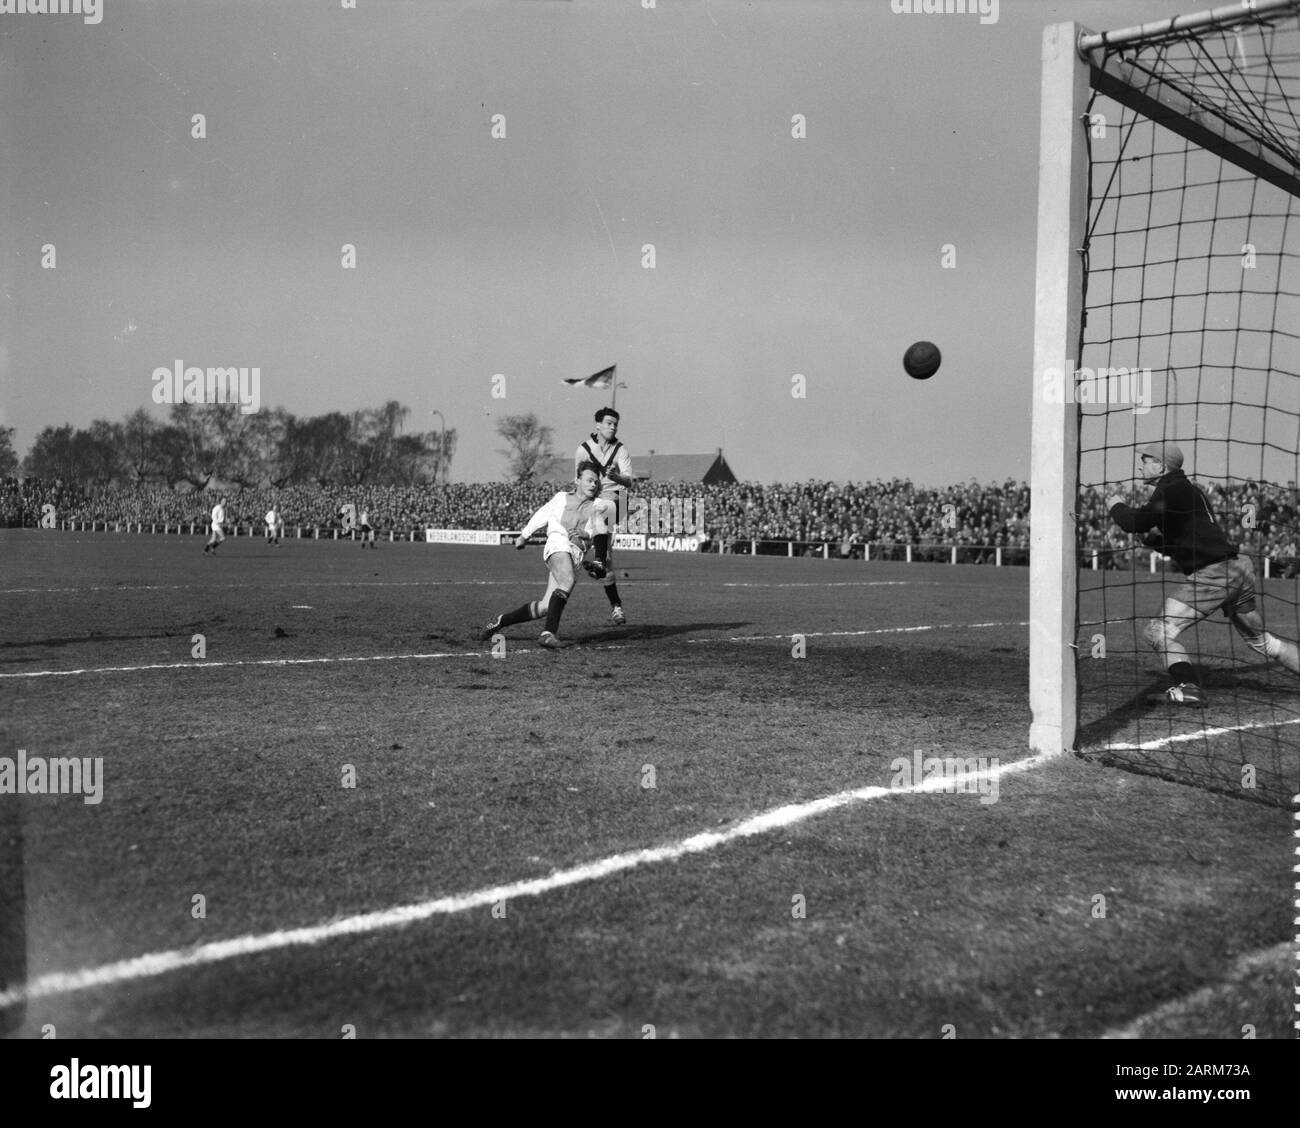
(8, 456)
(529, 445)
(52, 455)
(142, 450)
(206, 444)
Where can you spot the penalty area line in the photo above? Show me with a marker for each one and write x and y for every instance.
(433, 656)
(197, 665)
(777, 818)
(840, 583)
(290, 585)
(264, 587)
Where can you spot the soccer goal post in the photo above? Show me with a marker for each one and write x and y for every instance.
(1167, 311)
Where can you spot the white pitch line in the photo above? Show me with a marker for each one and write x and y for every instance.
(243, 662)
(855, 634)
(1183, 737)
(329, 660)
(159, 963)
(842, 583)
(265, 587)
(442, 583)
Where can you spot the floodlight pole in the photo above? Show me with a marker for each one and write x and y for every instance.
(442, 442)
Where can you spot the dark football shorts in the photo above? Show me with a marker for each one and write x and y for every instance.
(1226, 584)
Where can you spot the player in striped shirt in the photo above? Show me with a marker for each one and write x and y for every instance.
(611, 458)
(1177, 521)
(573, 522)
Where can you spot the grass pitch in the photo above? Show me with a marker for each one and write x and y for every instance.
(347, 748)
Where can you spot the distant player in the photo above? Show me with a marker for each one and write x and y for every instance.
(1177, 520)
(218, 534)
(367, 533)
(274, 526)
(611, 459)
(347, 519)
(573, 521)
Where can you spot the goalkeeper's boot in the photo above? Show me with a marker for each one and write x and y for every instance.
(618, 616)
(1184, 693)
(550, 641)
(492, 628)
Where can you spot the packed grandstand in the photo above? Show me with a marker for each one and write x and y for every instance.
(891, 514)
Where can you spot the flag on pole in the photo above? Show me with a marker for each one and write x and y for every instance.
(602, 379)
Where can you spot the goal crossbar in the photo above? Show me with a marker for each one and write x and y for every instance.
(1229, 15)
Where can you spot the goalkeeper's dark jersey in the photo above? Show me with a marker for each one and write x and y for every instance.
(1181, 514)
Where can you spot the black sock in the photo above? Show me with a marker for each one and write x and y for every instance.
(524, 614)
(556, 609)
(1181, 672)
(600, 542)
(611, 593)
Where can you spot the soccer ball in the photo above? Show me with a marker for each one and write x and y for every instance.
(922, 360)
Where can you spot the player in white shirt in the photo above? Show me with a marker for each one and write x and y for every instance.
(217, 534)
(572, 521)
(274, 526)
(611, 458)
(367, 533)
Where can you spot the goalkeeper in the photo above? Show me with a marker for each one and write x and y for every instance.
(1178, 521)
(574, 523)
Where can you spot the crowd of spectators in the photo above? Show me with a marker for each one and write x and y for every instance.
(1263, 518)
(885, 513)
(23, 500)
(403, 509)
(980, 519)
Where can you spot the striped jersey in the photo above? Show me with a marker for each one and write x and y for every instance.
(615, 455)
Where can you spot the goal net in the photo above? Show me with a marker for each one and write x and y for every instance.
(1168, 313)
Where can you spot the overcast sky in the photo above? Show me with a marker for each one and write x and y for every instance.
(523, 255)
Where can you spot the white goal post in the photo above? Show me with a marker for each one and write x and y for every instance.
(1054, 449)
